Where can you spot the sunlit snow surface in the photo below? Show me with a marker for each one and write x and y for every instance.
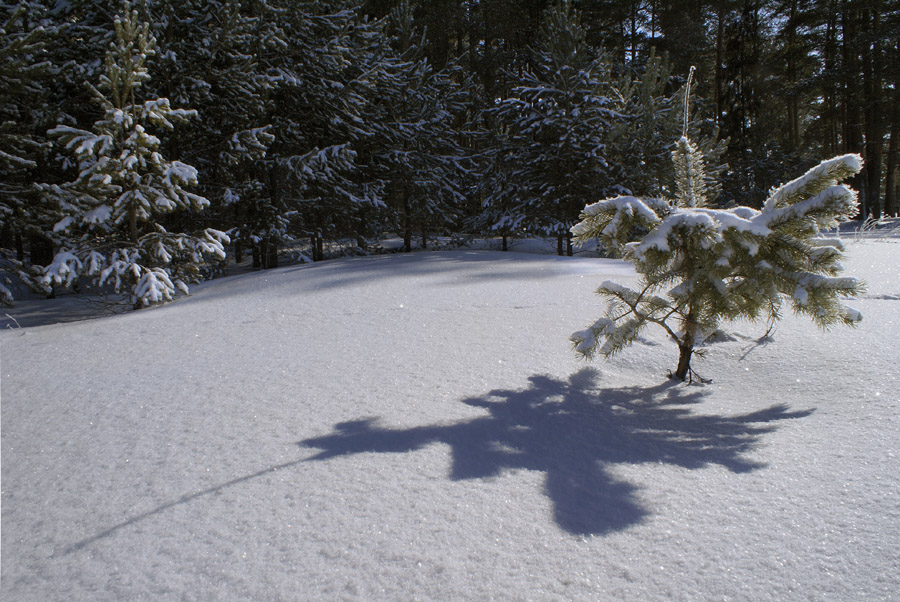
(416, 427)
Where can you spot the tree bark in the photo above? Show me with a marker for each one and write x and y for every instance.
(891, 204)
(831, 141)
(874, 129)
(686, 348)
(793, 108)
(685, 351)
(852, 117)
(41, 250)
(407, 221)
(719, 71)
(892, 167)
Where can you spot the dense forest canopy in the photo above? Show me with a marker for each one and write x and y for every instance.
(327, 120)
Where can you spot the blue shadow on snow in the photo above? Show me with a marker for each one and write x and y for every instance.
(574, 432)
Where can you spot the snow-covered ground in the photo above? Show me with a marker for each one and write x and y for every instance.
(416, 427)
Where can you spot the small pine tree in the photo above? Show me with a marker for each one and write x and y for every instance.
(111, 230)
(701, 266)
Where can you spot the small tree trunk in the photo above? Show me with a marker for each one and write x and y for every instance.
(41, 250)
(320, 246)
(271, 254)
(407, 221)
(407, 240)
(6, 236)
(505, 240)
(20, 247)
(685, 350)
(891, 204)
(686, 347)
(132, 222)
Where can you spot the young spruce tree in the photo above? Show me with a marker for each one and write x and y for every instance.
(701, 266)
(111, 230)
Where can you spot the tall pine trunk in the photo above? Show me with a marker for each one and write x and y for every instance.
(891, 204)
(852, 116)
(892, 167)
(872, 85)
(407, 221)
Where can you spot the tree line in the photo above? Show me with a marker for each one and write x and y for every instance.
(143, 141)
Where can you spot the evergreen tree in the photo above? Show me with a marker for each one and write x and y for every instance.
(25, 70)
(210, 58)
(643, 142)
(314, 59)
(701, 266)
(112, 230)
(560, 124)
(415, 148)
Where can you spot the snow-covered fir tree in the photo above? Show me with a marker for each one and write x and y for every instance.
(113, 227)
(559, 125)
(206, 60)
(25, 70)
(415, 150)
(311, 58)
(701, 266)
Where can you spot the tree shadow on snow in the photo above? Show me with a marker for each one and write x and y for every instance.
(575, 432)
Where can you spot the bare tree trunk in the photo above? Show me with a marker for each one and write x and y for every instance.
(891, 201)
(793, 109)
(891, 204)
(874, 128)
(41, 249)
(132, 222)
(20, 247)
(851, 111)
(831, 139)
(271, 253)
(407, 221)
(719, 75)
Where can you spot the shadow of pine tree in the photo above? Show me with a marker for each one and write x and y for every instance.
(574, 431)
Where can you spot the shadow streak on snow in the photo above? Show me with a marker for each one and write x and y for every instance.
(182, 500)
(574, 432)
